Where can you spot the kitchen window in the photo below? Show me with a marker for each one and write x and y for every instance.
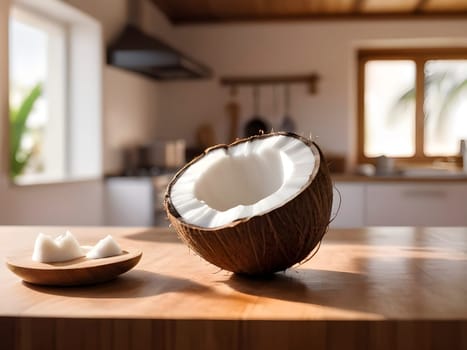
(37, 56)
(55, 77)
(412, 104)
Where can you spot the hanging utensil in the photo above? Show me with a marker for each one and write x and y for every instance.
(275, 104)
(233, 111)
(288, 124)
(256, 125)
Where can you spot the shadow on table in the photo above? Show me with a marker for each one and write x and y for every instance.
(134, 284)
(319, 287)
(391, 285)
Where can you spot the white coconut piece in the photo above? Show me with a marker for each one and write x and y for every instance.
(63, 248)
(105, 248)
(241, 181)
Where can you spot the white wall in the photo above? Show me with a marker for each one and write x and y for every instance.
(326, 47)
(129, 104)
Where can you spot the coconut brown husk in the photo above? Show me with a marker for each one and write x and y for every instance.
(270, 242)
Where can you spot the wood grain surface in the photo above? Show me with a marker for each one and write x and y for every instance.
(212, 11)
(374, 288)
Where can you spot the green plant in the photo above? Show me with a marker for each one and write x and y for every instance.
(446, 87)
(18, 118)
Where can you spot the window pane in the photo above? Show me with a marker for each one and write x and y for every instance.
(28, 69)
(37, 97)
(389, 119)
(445, 106)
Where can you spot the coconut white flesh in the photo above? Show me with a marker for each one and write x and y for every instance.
(245, 180)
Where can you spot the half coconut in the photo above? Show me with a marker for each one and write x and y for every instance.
(257, 206)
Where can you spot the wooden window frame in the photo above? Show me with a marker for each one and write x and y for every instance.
(419, 56)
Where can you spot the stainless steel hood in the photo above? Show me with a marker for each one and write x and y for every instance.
(136, 51)
(139, 52)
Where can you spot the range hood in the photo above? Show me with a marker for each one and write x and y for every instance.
(139, 52)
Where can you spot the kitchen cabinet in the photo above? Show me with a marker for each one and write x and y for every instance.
(136, 201)
(160, 184)
(129, 201)
(348, 205)
(424, 204)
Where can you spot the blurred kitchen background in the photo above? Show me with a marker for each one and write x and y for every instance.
(102, 101)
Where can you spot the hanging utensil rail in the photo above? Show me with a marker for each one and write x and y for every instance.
(310, 79)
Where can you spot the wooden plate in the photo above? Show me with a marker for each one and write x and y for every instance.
(75, 272)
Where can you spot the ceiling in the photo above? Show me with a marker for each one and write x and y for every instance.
(189, 11)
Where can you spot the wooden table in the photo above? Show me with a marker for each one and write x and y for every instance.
(381, 288)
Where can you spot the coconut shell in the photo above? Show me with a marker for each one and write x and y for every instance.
(270, 242)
